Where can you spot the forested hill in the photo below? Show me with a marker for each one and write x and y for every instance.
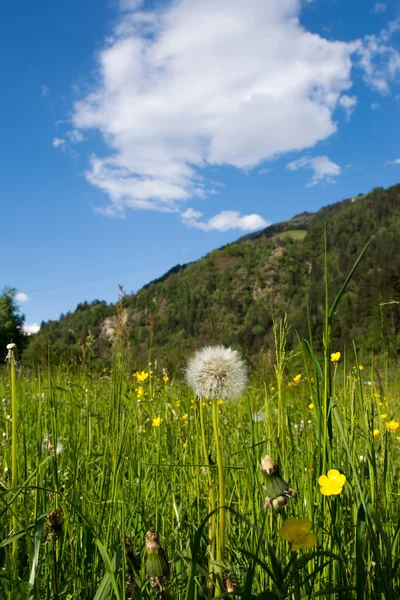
(232, 294)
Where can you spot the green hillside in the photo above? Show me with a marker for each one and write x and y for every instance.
(232, 294)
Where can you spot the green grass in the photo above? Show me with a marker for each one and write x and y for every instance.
(103, 458)
(118, 476)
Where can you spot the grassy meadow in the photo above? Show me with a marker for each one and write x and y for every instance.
(92, 461)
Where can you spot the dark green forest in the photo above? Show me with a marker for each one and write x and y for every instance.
(232, 295)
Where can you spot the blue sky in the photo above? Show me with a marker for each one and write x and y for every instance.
(139, 135)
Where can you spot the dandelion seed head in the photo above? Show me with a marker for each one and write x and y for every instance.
(217, 372)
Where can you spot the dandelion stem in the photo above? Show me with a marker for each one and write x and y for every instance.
(14, 465)
(221, 486)
(211, 498)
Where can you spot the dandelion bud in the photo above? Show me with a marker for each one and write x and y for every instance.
(268, 466)
(157, 569)
(230, 583)
(278, 490)
(54, 525)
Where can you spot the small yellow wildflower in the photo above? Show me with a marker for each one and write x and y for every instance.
(290, 384)
(272, 388)
(165, 378)
(185, 416)
(186, 445)
(383, 417)
(360, 367)
(297, 378)
(392, 425)
(335, 357)
(178, 403)
(376, 433)
(220, 402)
(380, 403)
(140, 391)
(311, 406)
(332, 483)
(377, 395)
(157, 422)
(141, 376)
(297, 531)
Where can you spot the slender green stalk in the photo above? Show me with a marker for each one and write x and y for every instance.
(221, 486)
(14, 463)
(211, 497)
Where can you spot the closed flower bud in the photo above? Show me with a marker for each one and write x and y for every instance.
(268, 466)
(157, 569)
(54, 525)
(278, 490)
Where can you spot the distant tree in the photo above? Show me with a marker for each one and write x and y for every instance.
(11, 321)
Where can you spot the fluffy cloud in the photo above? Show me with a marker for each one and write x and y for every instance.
(224, 221)
(348, 103)
(58, 142)
(379, 60)
(379, 7)
(198, 84)
(31, 328)
(390, 163)
(323, 168)
(21, 297)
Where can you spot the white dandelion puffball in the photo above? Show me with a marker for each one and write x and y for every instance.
(217, 372)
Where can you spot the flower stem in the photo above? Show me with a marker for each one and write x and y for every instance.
(14, 465)
(221, 485)
(211, 498)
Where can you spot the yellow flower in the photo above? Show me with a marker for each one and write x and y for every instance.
(297, 531)
(290, 384)
(392, 425)
(376, 433)
(377, 395)
(361, 368)
(141, 376)
(220, 402)
(157, 422)
(178, 403)
(140, 391)
(398, 438)
(297, 378)
(311, 406)
(185, 416)
(186, 445)
(272, 388)
(332, 484)
(383, 417)
(335, 357)
(165, 378)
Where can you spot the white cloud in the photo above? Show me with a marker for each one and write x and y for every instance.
(379, 7)
(380, 61)
(348, 103)
(323, 168)
(375, 105)
(198, 84)
(224, 221)
(75, 136)
(264, 171)
(30, 328)
(58, 142)
(21, 297)
(44, 90)
(389, 163)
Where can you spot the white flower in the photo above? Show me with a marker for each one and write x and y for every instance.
(11, 346)
(217, 372)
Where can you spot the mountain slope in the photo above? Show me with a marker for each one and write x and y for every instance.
(232, 294)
